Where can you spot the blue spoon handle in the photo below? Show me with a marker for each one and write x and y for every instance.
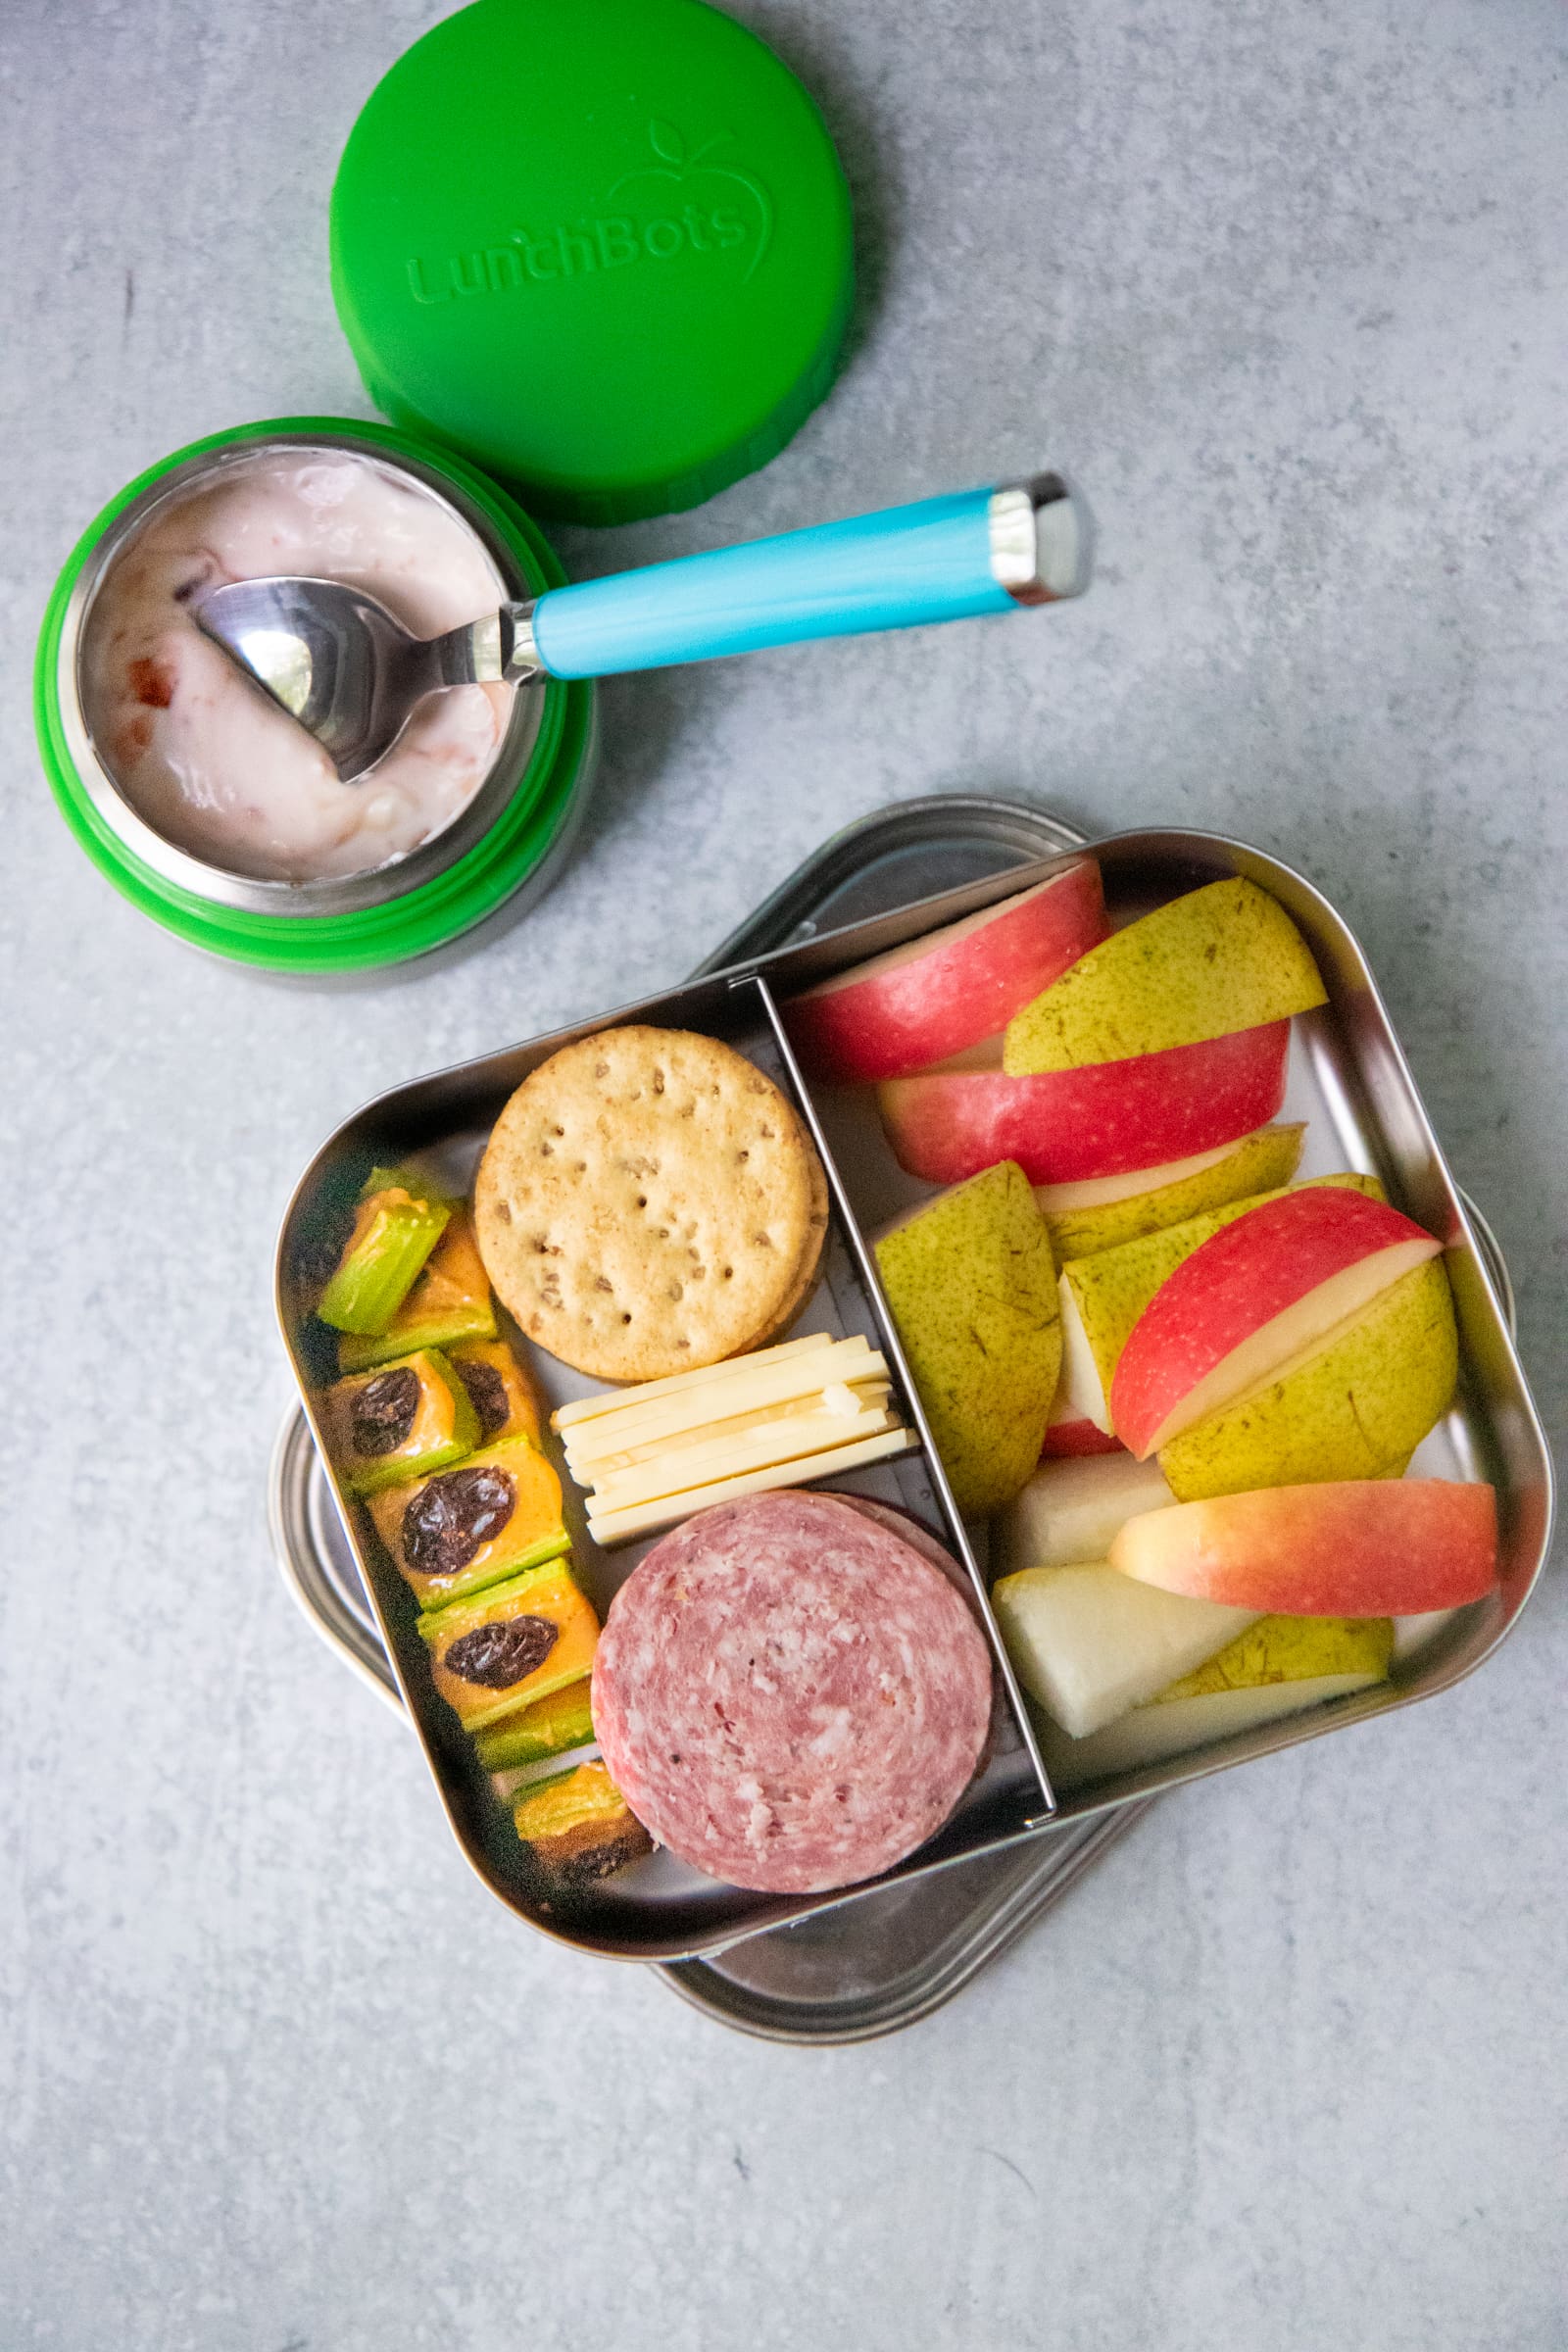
(945, 559)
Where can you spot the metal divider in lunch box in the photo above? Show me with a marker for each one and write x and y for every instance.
(876, 1961)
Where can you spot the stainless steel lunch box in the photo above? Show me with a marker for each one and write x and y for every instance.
(872, 1959)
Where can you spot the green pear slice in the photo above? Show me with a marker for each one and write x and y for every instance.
(1278, 1667)
(1103, 1211)
(1086, 1646)
(1291, 1649)
(972, 1287)
(1219, 959)
(1355, 1407)
(1104, 1296)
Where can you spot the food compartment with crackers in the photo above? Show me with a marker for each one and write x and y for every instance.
(994, 1361)
(640, 1486)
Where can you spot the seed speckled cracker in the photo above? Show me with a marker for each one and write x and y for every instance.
(649, 1202)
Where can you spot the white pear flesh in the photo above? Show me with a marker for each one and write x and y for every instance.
(1087, 1647)
(1101, 1212)
(1073, 1510)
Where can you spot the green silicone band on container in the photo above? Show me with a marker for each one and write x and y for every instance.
(441, 910)
(603, 247)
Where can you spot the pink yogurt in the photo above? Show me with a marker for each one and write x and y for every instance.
(201, 755)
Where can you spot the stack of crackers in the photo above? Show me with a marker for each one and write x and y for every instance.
(649, 1202)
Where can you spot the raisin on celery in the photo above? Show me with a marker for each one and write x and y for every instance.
(494, 1515)
(400, 1422)
(450, 1300)
(512, 1644)
(546, 1727)
(579, 1828)
(399, 1220)
(499, 1390)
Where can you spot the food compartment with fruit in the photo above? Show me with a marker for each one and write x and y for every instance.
(586, 1318)
(1190, 1300)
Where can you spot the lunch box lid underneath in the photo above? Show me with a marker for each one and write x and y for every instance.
(603, 247)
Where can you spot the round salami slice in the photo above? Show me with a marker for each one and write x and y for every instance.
(788, 1696)
(913, 1532)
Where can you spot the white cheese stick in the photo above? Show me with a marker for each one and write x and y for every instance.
(679, 1468)
(748, 1386)
(844, 1401)
(618, 1527)
(610, 1401)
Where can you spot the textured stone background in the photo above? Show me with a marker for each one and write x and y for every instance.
(1285, 288)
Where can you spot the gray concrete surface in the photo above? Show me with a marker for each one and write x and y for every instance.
(1287, 289)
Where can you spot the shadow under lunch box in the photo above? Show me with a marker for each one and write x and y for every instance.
(848, 1964)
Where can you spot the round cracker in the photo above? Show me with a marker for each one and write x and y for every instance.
(807, 1274)
(647, 1202)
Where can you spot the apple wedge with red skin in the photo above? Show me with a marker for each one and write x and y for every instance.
(936, 997)
(1364, 1547)
(1101, 1120)
(1264, 1290)
(1071, 1441)
(1070, 1435)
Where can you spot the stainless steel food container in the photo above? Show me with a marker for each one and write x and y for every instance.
(1005, 1859)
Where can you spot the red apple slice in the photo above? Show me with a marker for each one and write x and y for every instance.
(1069, 1433)
(1263, 1291)
(1071, 1441)
(1366, 1547)
(938, 996)
(1097, 1121)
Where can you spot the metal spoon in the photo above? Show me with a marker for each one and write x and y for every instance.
(339, 663)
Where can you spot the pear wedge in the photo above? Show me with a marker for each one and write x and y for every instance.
(1105, 1212)
(1279, 1666)
(1354, 1407)
(973, 1285)
(1070, 1511)
(1291, 1649)
(1087, 1645)
(1217, 959)
(1103, 1296)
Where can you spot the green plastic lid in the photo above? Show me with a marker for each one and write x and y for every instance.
(600, 246)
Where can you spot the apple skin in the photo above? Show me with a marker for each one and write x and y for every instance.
(1364, 1547)
(1070, 1434)
(1356, 1407)
(1102, 1120)
(1070, 1441)
(935, 997)
(1263, 1291)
